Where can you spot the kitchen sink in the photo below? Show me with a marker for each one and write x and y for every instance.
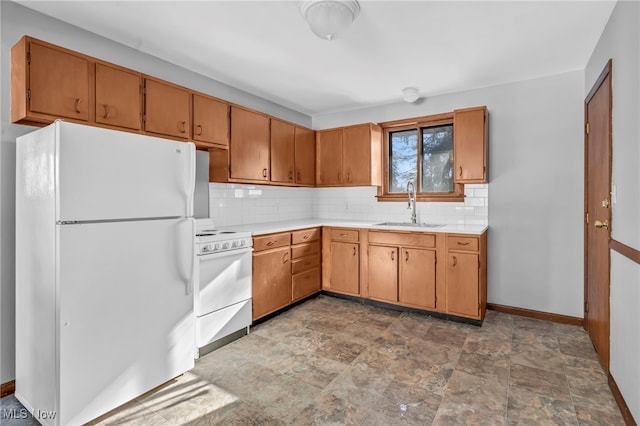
(412, 225)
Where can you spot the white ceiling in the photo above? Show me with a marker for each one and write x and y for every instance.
(266, 48)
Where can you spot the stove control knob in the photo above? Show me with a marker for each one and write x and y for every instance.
(225, 246)
(241, 243)
(217, 247)
(235, 244)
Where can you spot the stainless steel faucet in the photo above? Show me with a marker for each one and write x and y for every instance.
(411, 193)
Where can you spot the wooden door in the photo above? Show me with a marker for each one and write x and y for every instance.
(167, 109)
(470, 145)
(345, 267)
(383, 273)
(282, 151)
(210, 121)
(271, 281)
(356, 148)
(118, 97)
(305, 156)
(463, 284)
(418, 277)
(59, 83)
(598, 212)
(249, 147)
(329, 157)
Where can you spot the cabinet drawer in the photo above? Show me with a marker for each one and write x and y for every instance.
(455, 242)
(305, 263)
(305, 284)
(271, 241)
(344, 235)
(306, 249)
(402, 239)
(305, 236)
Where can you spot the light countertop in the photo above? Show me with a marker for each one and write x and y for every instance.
(292, 225)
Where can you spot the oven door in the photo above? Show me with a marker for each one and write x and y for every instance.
(223, 279)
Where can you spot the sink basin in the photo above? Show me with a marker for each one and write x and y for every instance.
(412, 225)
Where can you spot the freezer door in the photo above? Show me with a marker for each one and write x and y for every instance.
(126, 322)
(104, 174)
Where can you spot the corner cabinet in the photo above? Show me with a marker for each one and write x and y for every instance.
(349, 156)
(470, 145)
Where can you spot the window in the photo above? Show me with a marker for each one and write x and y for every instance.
(420, 150)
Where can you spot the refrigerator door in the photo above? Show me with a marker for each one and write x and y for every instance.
(125, 318)
(104, 174)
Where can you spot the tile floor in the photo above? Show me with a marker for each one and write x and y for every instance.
(330, 361)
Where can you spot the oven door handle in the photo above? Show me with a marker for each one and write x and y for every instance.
(232, 252)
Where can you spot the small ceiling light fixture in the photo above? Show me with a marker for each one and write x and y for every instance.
(410, 94)
(328, 18)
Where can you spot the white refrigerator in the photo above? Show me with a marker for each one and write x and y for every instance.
(104, 268)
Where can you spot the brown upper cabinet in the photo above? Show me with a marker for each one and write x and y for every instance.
(167, 109)
(118, 97)
(48, 82)
(349, 156)
(249, 146)
(470, 145)
(305, 156)
(210, 122)
(282, 151)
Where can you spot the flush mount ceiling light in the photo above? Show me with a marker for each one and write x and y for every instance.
(410, 94)
(328, 18)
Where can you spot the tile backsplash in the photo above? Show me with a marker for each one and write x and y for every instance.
(239, 204)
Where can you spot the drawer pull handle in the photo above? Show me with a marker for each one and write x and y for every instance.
(78, 100)
(455, 261)
(264, 173)
(354, 250)
(463, 244)
(460, 171)
(406, 256)
(306, 237)
(285, 258)
(393, 253)
(270, 243)
(344, 235)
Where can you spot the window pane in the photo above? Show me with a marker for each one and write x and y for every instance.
(403, 159)
(437, 159)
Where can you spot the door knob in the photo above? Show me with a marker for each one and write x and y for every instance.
(602, 224)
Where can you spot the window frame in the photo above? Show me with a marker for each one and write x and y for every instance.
(416, 123)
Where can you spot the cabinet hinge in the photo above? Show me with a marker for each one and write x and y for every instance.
(586, 217)
(587, 127)
(28, 57)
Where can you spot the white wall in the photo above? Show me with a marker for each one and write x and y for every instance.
(535, 169)
(621, 42)
(16, 21)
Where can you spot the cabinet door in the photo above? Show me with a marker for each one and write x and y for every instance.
(305, 156)
(166, 109)
(249, 146)
(282, 151)
(329, 157)
(210, 121)
(271, 281)
(59, 83)
(345, 267)
(356, 148)
(118, 101)
(418, 277)
(470, 145)
(463, 297)
(383, 273)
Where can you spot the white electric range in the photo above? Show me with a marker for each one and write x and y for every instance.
(222, 290)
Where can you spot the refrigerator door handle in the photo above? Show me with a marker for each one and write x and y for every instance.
(192, 273)
(192, 183)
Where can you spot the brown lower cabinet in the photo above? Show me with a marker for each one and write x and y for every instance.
(444, 273)
(286, 268)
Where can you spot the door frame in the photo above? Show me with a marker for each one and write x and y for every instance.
(606, 72)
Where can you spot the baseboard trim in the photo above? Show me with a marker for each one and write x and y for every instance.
(562, 319)
(625, 250)
(7, 389)
(622, 404)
